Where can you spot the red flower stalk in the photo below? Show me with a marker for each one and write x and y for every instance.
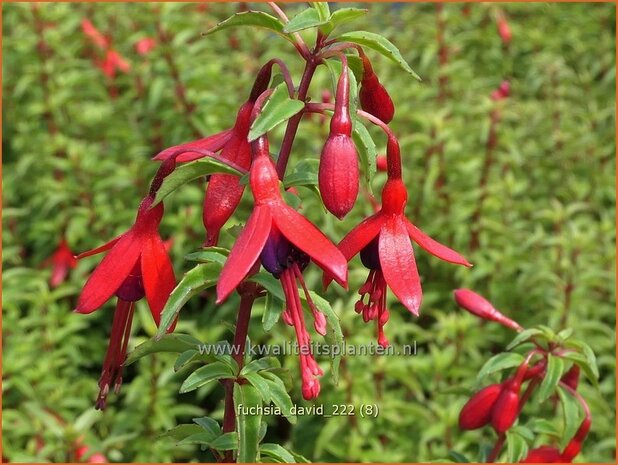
(506, 409)
(145, 45)
(383, 241)
(477, 412)
(479, 306)
(284, 241)
(62, 260)
(136, 265)
(339, 172)
(571, 377)
(373, 96)
(95, 36)
(224, 191)
(544, 454)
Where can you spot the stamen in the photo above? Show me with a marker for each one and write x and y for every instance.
(319, 322)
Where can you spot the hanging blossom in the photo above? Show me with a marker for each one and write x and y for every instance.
(112, 60)
(224, 191)
(284, 241)
(383, 241)
(61, 261)
(136, 265)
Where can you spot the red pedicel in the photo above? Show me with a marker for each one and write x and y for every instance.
(373, 96)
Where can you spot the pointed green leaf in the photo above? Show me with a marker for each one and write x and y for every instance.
(168, 343)
(227, 441)
(248, 426)
(209, 424)
(260, 384)
(273, 308)
(276, 452)
(265, 363)
(206, 374)
(322, 8)
(342, 16)
(523, 336)
(193, 282)
(516, 447)
(304, 20)
(379, 44)
(555, 367)
(279, 395)
(279, 108)
(251, 18)
(366, 148)
(334, 335)
(190, 171)
(209, 254)
(500, 362)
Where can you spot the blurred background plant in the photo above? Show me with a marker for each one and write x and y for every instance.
(522, 182)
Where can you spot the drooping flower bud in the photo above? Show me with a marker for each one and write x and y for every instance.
(338, 175)
(373, 96)
(477, 411)
(381, 163)
(504, 30)
(479, 306)
(543, 454)
(506, 408)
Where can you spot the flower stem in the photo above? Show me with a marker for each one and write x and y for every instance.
(497, 448)
(292, 127)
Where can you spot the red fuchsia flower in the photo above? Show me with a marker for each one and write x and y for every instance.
(383, 241)
(145, 45)
(504, 30)
(477, 412)
(506, 409)
(136, 265)
(373, 96)
(479, 306)
(96, 37)
(224, 191)
(543, 454)
(338, 175)
(62, 260)
(284, 241)
(113, 62)
(501, 92)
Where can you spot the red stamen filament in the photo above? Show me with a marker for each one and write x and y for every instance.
(375, 308)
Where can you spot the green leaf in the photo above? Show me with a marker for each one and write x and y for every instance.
(279, 108)
(584, 364)
(279, 395)
(190, 171)
(209, 424)
(260, 384)
(227, 441)
(167, 343)
(588, 353)
(334, 335)
(181, 432)
(570, 410)
(206, 374)
(251, 18)
(379, 44)
(193, 282)
(185, 358)
(500, 362)
(273, 308)
(304, 20)
(209, 254)
(248, 426)
(555, 367)
(516, 447)
(270, 283)
(523, 336)
(276, 452)
(367, 149)
(457, 457)
(305, 173)
(342, 16)
(202, 438)
(265, 363)
(323, 10)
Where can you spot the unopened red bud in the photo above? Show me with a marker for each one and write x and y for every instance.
(381, 163)
(504, 30)
(373, 97)
(479, 306)
(338, 176)
(575, 445)
(543, 454)
(477, 411)
(506, 408)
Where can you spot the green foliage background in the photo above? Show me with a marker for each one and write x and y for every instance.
(547, 232)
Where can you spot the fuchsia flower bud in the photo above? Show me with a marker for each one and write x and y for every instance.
(373, 96)
(61, 261)
(479, 306)
(478, 410)
(145, 45)
(338, 176)
(381, 163)
(506, 408)
(504, 30)
(543, 454)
